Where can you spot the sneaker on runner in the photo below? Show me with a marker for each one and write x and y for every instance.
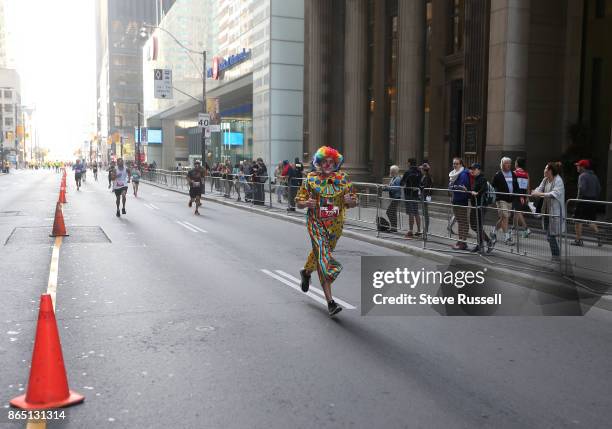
(305, 281)
(333, 308)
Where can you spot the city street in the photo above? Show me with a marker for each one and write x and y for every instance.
(169, 320)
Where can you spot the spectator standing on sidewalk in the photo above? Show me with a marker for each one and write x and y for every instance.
(289, 173)
(589, 188)
(477, 214)
(260, 176)
(520, 204)
(279, 181)
(504, 182)
(459, 183)
(411, 181)
(395, 196)
(552, 190)
(236, 178)
(426, 183)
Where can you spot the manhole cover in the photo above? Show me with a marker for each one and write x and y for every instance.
(10, 213)
(24, 236)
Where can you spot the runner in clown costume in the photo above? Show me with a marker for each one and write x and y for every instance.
(326, 193)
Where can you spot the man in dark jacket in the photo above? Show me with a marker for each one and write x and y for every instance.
(294, 174)
(589, 188)
(504, 182)
(459, 183)
(479, 188)
(260, 176)
(411, 181)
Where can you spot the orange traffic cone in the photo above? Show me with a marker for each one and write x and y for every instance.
(59, 229)
(62, 195)
(48, 384)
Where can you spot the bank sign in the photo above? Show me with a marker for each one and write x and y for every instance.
(221, 64)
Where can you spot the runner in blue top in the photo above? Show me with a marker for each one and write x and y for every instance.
(78, 172)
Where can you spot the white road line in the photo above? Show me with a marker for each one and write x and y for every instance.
(186, 226)
(288, 283)
(193, 226)
(148, 206)
(154, 206)
(317, 290)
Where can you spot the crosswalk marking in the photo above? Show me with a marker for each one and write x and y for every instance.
(316, 290)
(294, 283)
(186, 226)
(288, 283)
(194, 227)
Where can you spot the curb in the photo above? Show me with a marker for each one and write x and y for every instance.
(559, 286)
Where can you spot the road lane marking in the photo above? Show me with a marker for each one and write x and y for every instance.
(53, 271)
(151, 206)
(317, 290)
(154, 206)
(187, 227)
(193, 226)
(296, 287)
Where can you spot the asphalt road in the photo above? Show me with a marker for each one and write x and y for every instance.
(169, 320)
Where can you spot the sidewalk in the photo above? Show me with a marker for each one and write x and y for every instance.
(502, 263)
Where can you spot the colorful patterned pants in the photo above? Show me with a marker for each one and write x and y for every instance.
(323, 241)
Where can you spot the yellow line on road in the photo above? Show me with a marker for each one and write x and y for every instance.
(52, 285)
(51, 290)
(36, 424)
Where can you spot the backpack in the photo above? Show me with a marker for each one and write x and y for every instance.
(382, 224)
(489, 196)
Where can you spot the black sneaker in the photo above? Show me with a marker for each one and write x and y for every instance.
(123, 211)
(305, 280)
(333, 308)
(118, 214)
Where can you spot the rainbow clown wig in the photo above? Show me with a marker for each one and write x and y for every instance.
(327, 152)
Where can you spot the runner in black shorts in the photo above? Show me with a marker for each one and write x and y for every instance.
(195, 179)
(78, 172)
(121, 178)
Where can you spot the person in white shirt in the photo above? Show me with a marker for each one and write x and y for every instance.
(120, 177)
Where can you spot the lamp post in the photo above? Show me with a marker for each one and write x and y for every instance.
(144, 34)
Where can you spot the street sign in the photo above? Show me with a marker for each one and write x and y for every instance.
(203, 120)
(162, 83)
(207, 132)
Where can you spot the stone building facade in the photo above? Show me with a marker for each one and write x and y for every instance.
(389, 80)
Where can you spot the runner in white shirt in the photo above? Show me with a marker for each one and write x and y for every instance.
(120, 177)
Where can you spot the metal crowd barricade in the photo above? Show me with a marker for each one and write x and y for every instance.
(588, 259)
(441, 221)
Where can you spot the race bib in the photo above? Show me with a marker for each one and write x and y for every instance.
(195, 184)
(120, 183)
(327, 209)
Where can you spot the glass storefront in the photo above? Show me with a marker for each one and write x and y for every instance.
(234, 142)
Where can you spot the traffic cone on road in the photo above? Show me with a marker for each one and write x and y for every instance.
(48, 384)
(59, 229)
(62, 195)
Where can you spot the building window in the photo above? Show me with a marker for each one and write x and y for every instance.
(457, 23)
(8, 108)
(8, 93)
(8, 122)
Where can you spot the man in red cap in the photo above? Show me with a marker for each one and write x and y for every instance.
(588, 189)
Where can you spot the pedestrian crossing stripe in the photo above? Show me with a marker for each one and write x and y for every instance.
(313, 293)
